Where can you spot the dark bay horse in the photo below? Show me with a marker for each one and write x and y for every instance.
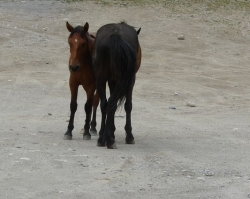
(117, 58)
(82, 73)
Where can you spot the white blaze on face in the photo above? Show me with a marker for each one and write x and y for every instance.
(76, 40)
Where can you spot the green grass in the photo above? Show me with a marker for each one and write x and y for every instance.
(212, 5)
(233, 14)
(238, 5)
(111, 2)
(178, 5)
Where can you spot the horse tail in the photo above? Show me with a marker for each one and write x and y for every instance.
(123, 66)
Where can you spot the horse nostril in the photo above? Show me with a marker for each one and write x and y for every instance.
(74, 68)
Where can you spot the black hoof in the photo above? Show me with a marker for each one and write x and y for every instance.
(112, 146)
(87, 137)
(93, 131)
(67, 137)
(101, 142)
(130, 141)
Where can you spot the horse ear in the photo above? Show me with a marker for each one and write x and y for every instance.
(69, 27)
(138, 31)
(86, 27)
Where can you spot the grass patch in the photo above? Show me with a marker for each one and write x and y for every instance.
(211, 5)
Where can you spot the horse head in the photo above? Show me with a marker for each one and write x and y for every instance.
(80, 44)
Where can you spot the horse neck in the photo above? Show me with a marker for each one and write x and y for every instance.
(91, 47)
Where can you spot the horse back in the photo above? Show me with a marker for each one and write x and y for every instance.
(125, 31)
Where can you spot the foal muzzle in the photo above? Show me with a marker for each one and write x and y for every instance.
(74, 68)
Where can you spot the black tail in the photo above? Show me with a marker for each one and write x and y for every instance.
(123, 65)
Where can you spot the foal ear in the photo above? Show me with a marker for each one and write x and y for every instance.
(69, 27)
(86, 27)
(138, 31)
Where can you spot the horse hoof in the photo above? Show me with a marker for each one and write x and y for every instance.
(67, 137)
(93, 132)
(100, 144)
(130, 141)
(87, 137)
(112, 146)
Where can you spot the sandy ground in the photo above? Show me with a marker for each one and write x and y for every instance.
(180, 151)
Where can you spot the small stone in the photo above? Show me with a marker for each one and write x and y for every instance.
(49, 114)
(191, 104)
(181, 37)
(235, 129)
(24, 158)
(208, 173)
(83, 165)
(172, 107)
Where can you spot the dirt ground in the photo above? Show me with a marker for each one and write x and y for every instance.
(180, 151)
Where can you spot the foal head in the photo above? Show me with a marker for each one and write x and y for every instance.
(79, 46)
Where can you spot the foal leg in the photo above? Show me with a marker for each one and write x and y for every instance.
(128, 109)
(93, 130)
(88, 110)
(73, 108)
(101, 88)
